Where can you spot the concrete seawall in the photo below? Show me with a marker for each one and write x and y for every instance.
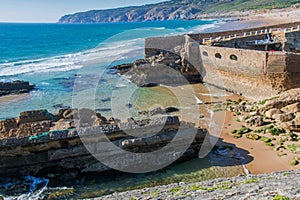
(239, 64)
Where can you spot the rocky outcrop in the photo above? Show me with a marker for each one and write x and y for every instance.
(16, 87)
(282, 111)
(34, 122)
(174, 70)
(49, 146)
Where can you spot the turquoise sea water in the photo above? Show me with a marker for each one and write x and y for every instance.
(50, 55)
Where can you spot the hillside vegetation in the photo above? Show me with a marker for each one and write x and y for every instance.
(173, 10)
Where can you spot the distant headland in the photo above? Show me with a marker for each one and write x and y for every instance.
(177, 10)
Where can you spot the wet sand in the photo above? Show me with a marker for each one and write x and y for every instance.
(11, 98)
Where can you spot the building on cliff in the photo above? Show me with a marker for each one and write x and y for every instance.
(256, 63)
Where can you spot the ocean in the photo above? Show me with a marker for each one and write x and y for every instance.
(53, 56)
(50, 56)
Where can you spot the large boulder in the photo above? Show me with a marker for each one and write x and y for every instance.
(292, 125)
(255, 121)
(284, 117)
(274, 111)
(287, 98)
(293, 108)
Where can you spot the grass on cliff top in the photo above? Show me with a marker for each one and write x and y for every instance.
(243, 5)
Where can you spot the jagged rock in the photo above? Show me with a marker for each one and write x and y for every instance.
(63, 124)
(113, 120)
(69, 113)
(6, 126)
(284, 117)
(159, 111)
(34, 116)
(101, 119)
(255, 121)
(16, 87)
(274, 111)
(29, 129)
(292, 108)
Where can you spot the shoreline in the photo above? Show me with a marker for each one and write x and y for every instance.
(12, 98)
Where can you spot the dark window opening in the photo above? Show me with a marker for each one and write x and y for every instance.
(233, 57)
(205, 53)
(217, 55)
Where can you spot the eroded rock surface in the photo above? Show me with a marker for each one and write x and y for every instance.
(52, 147)
(173, 69)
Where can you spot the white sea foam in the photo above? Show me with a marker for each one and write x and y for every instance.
(160, 28)
(202, 28)
(118, 47)
(106, 53)
(181, 29)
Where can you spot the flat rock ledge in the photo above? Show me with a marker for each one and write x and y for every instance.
(279, 185)
(64, 154)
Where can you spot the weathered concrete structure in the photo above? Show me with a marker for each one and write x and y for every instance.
(257, 63)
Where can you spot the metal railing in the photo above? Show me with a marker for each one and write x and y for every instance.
(247, 34)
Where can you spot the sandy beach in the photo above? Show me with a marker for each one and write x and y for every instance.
(260, 18)
(265, 159)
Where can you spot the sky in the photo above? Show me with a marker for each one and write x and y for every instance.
(52, 10)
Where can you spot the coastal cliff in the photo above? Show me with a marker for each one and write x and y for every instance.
(175, 10)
